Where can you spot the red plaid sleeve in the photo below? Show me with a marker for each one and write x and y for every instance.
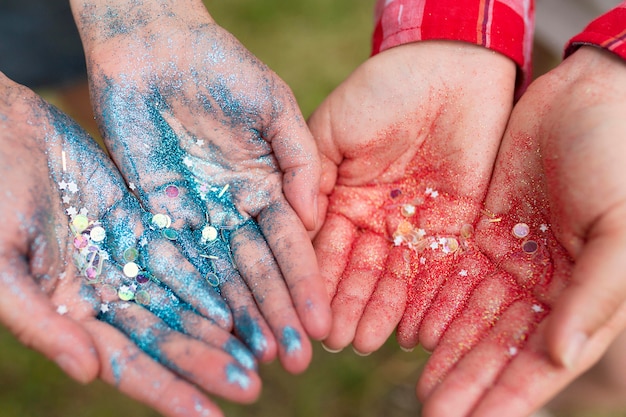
(505, 26)
(608, 32)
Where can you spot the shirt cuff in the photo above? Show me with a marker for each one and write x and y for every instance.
(505, 26)
(608, 32)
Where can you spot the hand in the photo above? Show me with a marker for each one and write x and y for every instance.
(208, 135)
(408, 130)
(77, 248)
(557, 303)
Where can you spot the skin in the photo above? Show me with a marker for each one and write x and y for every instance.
(180, 101)
(129, 345)
(415, 131)
(559, 164)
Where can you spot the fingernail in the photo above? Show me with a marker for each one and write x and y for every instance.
(327, 349)
(408, 350)
(360, 353)
(71, 367)
(574, 349)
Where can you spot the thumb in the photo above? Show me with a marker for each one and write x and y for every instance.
(29, 315)
(298, 158)
(596, 291)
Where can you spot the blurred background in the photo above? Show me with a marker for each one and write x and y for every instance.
(313, 45)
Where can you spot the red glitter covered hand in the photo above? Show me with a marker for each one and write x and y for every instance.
(408, 143)
(212, 141)
(555, 231)
(82, 278)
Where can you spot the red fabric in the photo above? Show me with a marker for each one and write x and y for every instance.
(608, 32)
(505, 26)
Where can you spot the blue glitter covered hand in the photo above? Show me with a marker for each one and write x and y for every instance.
(214, 146)
(556, 230)
(83, 276)
(407, 157)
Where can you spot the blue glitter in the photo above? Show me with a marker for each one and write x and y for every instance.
(291, 340)
(236, 375)
(250, 332)
(242, 355)
(116, 367)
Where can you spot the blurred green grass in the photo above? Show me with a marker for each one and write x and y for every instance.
(313, 45)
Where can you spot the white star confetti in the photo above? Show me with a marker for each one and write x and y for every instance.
(84, 211)
(66, 199)
(434, 246)
(71, 211)
(513, 351)
(544, 228)
(132, 186)
(187, 161)
(434, 194)
(200, 142)
(423, 260)
(63, 185)
(397, 241)
(72, 187)
(104, 308)
(62, 309)
(537, 308)
(463, 273)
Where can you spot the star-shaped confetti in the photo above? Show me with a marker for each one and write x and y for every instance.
(71, 211)
(63, 185)
(72, 187)
(66, 199)
(62, 309)
(463, 272)
(132, 186)
(104, 307)
(544, 228)
(537, 308)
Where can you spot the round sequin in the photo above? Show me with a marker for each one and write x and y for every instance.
(467, 231)
(81, 241)
(395, 193)
(521, 230)
(125, 293)
(209, 233)
(108, 292)
(172, 191)
(142, 278)
(97, 234)
(408, 210)
(161, 220)
(142, 297)
(131, 269)
(452, 244)
(130, 254)
(213, 279)
(170, 234)
(91, 273)
(530, 247)
(80, 223)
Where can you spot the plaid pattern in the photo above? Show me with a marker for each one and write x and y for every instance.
(505, 26)
(608, 32)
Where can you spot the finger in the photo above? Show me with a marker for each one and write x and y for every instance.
(296, 258)
(262, 275)
(298, 158)
(332, 247)
(28, 314)
(453, 297)
(532, 378)
(211, 369)
(137, 375)
(365, 268)
(488, 300)
(434, 267)
(480, 368)
(386, 305)
(597, 289)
